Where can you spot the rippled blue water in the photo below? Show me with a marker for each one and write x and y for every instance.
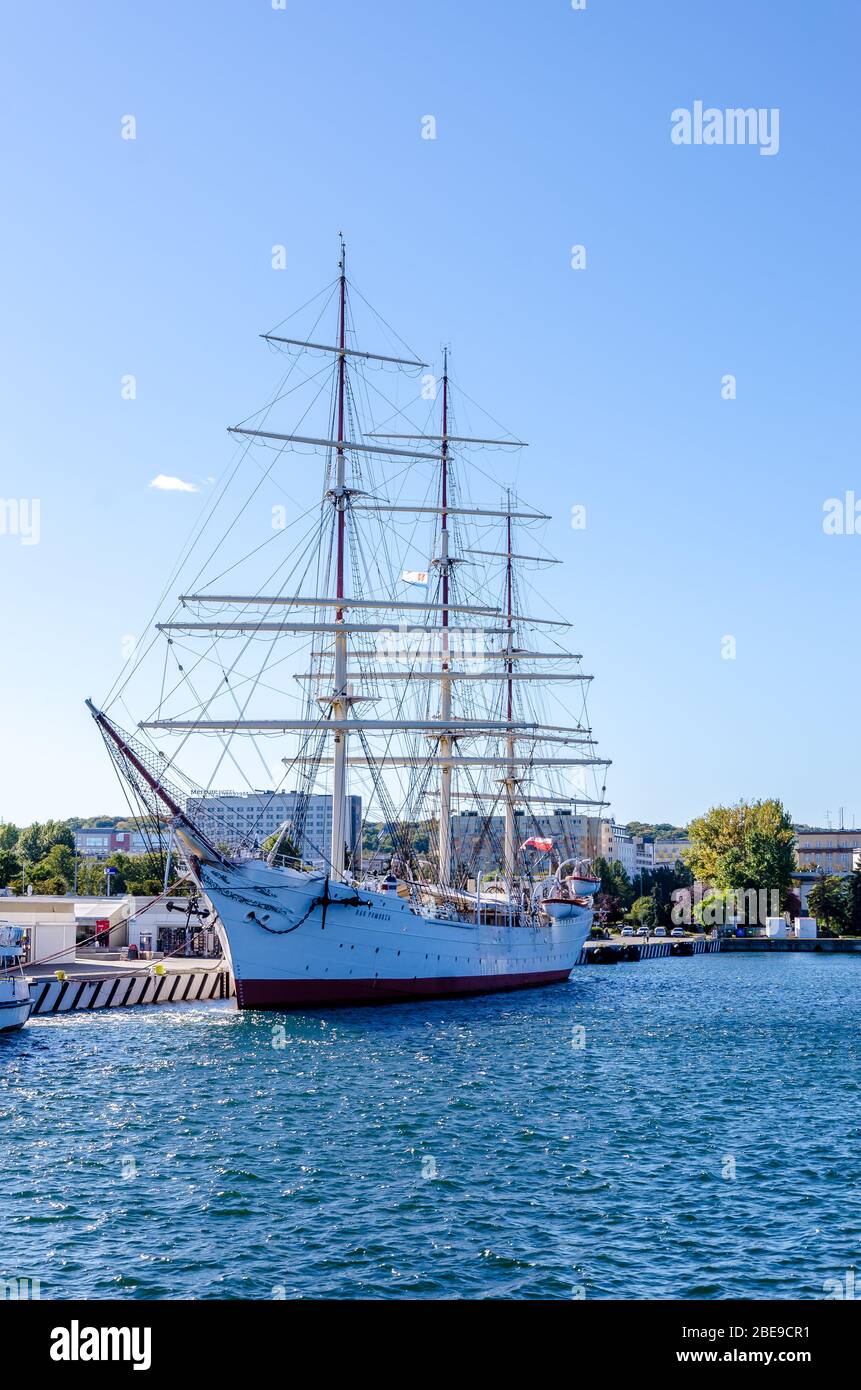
(448, 1149)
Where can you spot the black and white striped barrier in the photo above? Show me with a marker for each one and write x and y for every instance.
(54, 996)
(648, 950)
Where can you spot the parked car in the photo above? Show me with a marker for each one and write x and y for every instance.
(627, 931)
(642, 931)
(678, 931)
(660, 931)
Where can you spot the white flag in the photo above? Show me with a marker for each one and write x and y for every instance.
(415, 576)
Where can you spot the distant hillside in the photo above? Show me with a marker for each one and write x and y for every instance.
(660, 831)
(376, 835)
(102, 823)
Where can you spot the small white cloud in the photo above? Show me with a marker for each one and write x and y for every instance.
(165, 483)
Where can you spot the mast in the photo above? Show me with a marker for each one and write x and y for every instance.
(345, 673)
(509, 850)
(340, 703)
(445, 743)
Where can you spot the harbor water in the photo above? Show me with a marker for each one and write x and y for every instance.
(673, 1129)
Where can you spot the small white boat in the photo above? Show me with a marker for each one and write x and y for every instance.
(568, 894)
(14, 990)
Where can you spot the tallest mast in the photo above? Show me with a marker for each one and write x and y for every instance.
(340, 701)
(445, 743)
(509, 838)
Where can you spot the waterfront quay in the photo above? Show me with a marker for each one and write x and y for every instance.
(653, 948)
(626, 949)
(88, 985)
(830, 945)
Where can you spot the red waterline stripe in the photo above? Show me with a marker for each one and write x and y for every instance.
(282, 994)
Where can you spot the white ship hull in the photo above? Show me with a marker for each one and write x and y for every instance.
(296, 940)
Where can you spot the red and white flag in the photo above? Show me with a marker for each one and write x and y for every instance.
(534, 843)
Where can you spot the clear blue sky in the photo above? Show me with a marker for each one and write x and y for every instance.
(258, 126)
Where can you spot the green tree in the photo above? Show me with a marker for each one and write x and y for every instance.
(55, 867)
(614, 880)
(10, 870)
(35, 841)
(8, 836)
(828, 901)
(57, 832)
(51, 884)
(661, 884)
(287, 850)
(852, 888)
(749, 845)
(30, 845)
(91, 878)
(643, 911)
(714, 908)
(659, 830)
(141, 874)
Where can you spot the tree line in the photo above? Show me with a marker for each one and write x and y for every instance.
(42, 856)
(646, 900)
(745, 849)
(748, 846)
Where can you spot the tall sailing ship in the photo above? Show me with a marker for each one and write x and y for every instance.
(426, 688)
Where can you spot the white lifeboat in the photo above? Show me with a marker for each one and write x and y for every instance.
(567, 894)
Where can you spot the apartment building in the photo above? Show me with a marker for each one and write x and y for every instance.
(479, 839)
(828, 851)
(244, 820)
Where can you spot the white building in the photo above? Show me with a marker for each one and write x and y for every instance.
(624, 848)
(57, 926)
(246, 819)
(644, 855)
